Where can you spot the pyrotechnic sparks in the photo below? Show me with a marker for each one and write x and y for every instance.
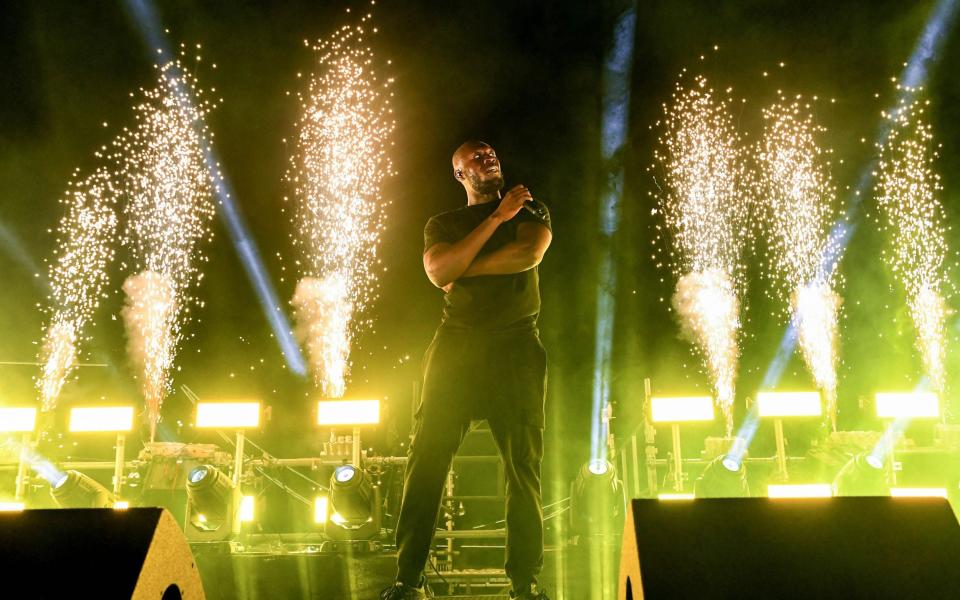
(337, 169)
(798, 195)
(322, 310)
(169, 207)
(907, 191)
(709, 312)
(78, 276)
(706, 214)
(815, 308)
(150, 318)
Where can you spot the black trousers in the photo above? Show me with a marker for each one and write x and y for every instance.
(471, 375)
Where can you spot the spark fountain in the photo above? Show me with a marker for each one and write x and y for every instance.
(78, 276)
(797, 197)
(907, 192)
(337, 168)
(169, 207)
(705, 213)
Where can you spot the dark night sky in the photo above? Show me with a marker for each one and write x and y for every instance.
(526, 77)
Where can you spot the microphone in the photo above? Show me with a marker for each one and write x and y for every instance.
(533, 208)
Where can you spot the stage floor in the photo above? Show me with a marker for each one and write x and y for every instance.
(230, 574)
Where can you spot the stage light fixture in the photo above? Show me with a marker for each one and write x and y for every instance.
(237, 416)
(213, 505)
(121, 505)
(350, 494)
(101, 419)
(805, 490)
(730, 463)
(917, 492)
(675, 497)
(247, 509)
(354, 505)
(907, 405)
(22, 420)
(681, 409)
(862, 475)
(75, 490)
(348, 412)
(780, 405)
(724, 477)
(789, 404)
(17, 419)
(321, 508)
(676, 410)
(598, 466)
(597, 500)
(11, 506)
(228, 415)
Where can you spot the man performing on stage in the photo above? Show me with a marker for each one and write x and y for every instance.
(485, 362)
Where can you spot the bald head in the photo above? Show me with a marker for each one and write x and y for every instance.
(465, 150)
(476, 167)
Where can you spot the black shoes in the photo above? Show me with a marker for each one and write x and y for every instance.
(530, 593)
(400, 591)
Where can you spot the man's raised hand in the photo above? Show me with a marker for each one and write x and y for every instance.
(512, 203)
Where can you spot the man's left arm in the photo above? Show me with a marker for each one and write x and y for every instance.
(522, 254)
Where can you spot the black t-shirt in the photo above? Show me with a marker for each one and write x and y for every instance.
(488, 302)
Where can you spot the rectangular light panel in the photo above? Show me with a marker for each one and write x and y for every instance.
(11, 506)
(918, 492)
(807, 490)
(671, 497)
(18, 419)
(320, 509)
(121, 505)
(789, 404)
(246, 509)
(228, 415)
(106, 418)
(681, 409)
(348, 412)
(916, 405)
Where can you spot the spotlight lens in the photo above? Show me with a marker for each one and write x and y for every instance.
(197, 475)
(597, 466)
(59, 482)
(875, 462)
(731, 464)
(345, 473)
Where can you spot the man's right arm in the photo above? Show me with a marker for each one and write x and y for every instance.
(445, 263)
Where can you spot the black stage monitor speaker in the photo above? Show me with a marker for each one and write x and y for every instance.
(96, 553)
(790, 548)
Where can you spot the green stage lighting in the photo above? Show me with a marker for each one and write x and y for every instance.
(863, 475)
(75, 490)
(800, 490)
(597, 500)
(354, 505)
(919, 492)
(724, 477)
(213, 504)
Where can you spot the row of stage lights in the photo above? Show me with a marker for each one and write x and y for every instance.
(890, 405)
(215, 507)
(824, 490)
(598, 496)
(351, 509)
(210, 415)
(862, 475)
